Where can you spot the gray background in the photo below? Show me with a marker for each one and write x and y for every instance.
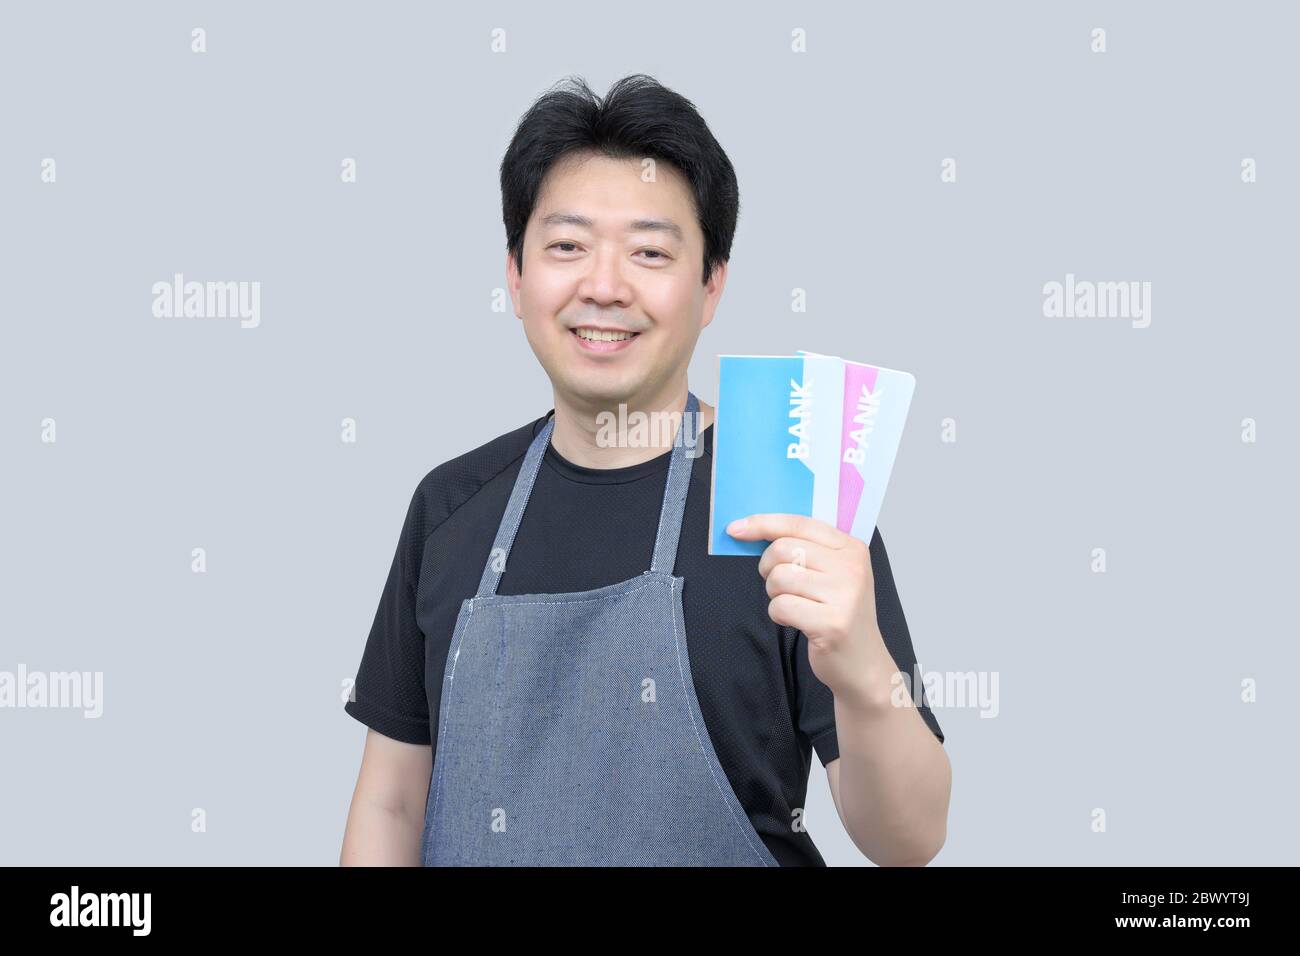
(223, 691)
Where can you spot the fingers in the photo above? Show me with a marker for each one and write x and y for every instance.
(798, 551)
(769, 527)
(800, 582)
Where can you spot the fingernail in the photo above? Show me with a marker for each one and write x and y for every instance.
(737, 526)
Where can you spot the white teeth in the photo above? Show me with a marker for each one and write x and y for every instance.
(595, 335)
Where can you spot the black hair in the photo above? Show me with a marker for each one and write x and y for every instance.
(639, 117)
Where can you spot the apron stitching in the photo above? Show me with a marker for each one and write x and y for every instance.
(570, 603)
(691, 713)
(446, 698)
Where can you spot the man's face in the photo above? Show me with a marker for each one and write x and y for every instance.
(604, 249)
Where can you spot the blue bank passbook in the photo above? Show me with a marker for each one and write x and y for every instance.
(776, 441)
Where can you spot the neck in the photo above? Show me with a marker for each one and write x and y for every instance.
(588, 433)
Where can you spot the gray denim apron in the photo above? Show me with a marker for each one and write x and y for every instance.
(569, 732)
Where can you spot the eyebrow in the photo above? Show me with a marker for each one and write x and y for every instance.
(636, 225)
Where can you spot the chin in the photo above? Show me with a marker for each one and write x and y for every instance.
(604, 393)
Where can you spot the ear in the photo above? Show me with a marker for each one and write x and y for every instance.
(713, 292)
(513, 279)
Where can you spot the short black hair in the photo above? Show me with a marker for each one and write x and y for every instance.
(639, 117)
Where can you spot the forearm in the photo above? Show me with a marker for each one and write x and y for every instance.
(378, 835)
(894, 776)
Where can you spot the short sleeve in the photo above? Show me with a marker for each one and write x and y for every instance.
(814, 700)
(389, 694)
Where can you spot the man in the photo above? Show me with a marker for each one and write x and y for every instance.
(558, 672)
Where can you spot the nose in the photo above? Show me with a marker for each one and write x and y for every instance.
(604, 283)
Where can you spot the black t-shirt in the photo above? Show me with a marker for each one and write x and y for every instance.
(585, 528)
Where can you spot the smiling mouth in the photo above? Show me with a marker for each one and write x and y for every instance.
(598, 340)
(599, 335)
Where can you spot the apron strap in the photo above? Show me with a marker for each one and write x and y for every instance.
(496, 561)
(685, 450)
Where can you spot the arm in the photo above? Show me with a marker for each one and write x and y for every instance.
(386, 820)
(892, 781)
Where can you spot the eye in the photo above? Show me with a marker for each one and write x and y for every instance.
(656, 254)
(573, 246)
